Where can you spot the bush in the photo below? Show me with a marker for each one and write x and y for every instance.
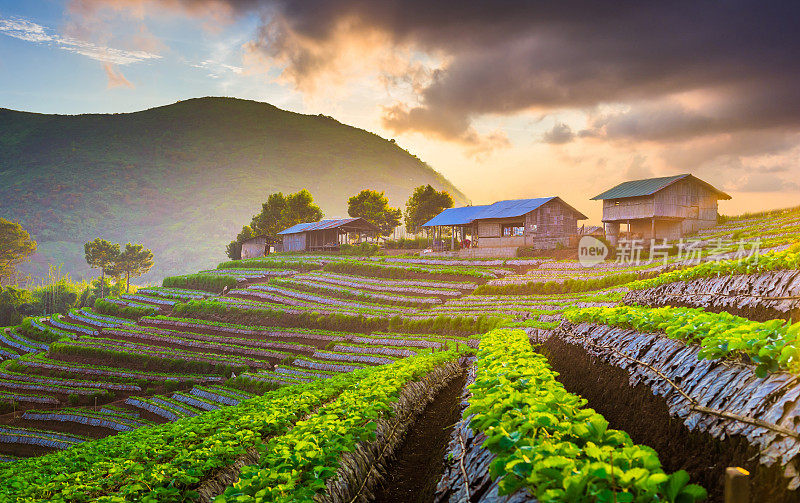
(213, 283)
(361, 249)
(407, 244)
(103, 306)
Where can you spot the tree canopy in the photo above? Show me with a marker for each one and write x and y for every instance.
(134, 261)
(424, 204)
(373, 206)
(102, 254)
(16, 245)
(277, 213)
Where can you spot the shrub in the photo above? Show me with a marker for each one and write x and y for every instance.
(206, 282)
(103, 306)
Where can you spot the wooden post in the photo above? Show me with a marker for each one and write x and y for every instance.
(653, 228)
(452, 238)
(737, 485)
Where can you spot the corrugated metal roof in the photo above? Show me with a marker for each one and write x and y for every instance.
(501, 209)
(635, 188)
(649, 186)
(321, 225)
(455, 216)
(512, 208)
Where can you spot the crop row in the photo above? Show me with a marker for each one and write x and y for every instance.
(146, 355)
(338, 321)
(467, 262)
(195, 401)
(173, 293)
(39, 363)
(207, 282)
(30, 436)
(347, 292)
(148, 299)
(376, 350)
(232, 328)
(421, 287)
(158, 408)
(171, 458)
(786, 259)
(36, 329)
(298, 373)
(325, 365)
(297, 465)
(287, 289)
(773, 345)
(17, 341)
(47, 388)
(383, 270)
(18, 376)
(88, 313)
(199, 342)
(57, 322)
(227, 340)
(567, 285)
(301, 263)
(9, 396)
(86, 417)
(547, 441)
(218, 395)
(356, 356)
(251, 273)
(124, 309)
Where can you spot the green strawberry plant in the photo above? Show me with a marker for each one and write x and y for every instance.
(548, 442)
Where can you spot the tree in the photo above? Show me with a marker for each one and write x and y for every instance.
(134, 261)
(424, 204)
(234, 250)
(373, 206)
(277, 213)
(101, 254)
(16, 246)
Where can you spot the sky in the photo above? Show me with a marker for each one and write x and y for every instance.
(507, 99)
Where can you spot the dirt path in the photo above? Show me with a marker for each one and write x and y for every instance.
(418, 464)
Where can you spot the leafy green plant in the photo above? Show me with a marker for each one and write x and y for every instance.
(214, 283)
(773, 345)
(771, 261)
(549, 443)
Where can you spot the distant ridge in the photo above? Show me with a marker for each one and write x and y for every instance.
(183, 178)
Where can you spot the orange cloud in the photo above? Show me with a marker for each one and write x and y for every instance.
(115, 77)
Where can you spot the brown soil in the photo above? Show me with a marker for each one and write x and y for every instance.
(645, 417)
(419, 462)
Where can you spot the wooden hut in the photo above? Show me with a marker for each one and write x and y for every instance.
(258, 246)
(668, 207)
(325, 235)
(501, 228)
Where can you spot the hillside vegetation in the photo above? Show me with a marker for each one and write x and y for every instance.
(183, 178)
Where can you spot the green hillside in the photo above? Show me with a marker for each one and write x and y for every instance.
(183, 178)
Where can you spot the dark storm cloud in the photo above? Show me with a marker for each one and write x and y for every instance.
(511, 56)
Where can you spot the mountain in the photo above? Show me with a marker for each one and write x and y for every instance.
(182, 179)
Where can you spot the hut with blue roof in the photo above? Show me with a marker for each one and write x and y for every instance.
(501, 228)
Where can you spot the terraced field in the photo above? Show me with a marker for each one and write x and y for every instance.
(326, 378)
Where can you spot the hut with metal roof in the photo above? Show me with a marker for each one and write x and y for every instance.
(325, 235)
(501, 228)
(668, 207)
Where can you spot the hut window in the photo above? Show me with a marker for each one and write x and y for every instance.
(616, 202)
(515, 229)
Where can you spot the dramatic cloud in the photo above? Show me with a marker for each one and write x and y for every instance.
(32, 32)
(707, 87)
